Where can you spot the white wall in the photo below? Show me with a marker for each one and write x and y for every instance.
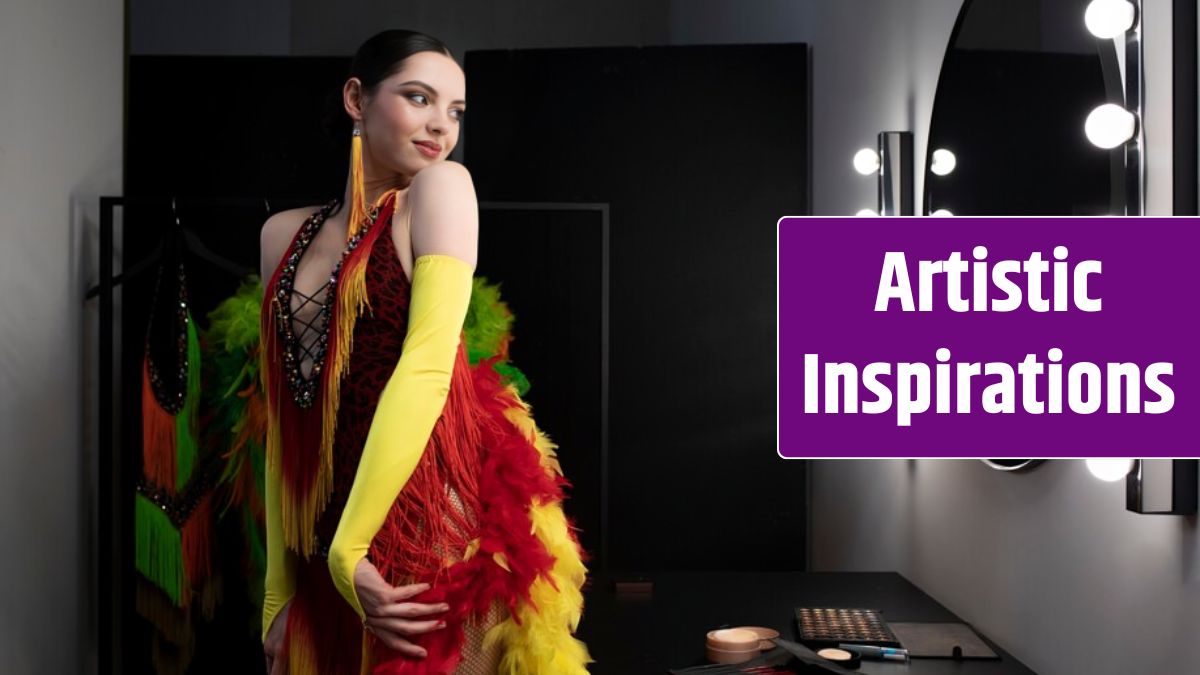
(1047, 562)
(61, 88)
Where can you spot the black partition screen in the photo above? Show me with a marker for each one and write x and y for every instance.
(698, 151)
(550, 262)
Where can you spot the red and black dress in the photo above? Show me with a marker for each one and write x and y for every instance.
(480, 518)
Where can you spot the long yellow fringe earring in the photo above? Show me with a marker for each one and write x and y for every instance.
(358, 198)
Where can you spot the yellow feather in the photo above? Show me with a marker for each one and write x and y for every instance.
(543, 642)
(472, 548)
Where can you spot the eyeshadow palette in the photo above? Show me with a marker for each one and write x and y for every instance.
(830, 626)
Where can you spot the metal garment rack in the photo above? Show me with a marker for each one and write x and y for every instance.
(114, 576)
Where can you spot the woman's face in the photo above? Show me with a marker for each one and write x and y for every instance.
(412, 120)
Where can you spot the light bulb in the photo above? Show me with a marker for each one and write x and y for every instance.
(1110, 125)
(1109, 470)
(942, 212)
(1109, 18)
(866, 212)
(866, 161)
(944, 162)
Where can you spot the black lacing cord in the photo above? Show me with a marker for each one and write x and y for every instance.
(307, 346)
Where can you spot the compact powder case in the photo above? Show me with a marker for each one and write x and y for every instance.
(731, 645)
(738, 645)
(842, 657)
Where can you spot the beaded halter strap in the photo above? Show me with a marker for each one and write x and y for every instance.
(305, 333)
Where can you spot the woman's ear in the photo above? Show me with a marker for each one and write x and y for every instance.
(353, 99)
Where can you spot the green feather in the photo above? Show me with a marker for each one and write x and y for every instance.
(488, 322)
(232, 338)
(234, 324)
(488, 325)
(510, 374)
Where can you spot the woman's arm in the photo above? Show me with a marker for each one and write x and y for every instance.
(280, 583)
(445, 232)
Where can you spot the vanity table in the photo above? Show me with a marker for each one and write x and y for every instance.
(636, 634)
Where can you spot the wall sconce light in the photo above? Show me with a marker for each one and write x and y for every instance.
(1111, 126)
(866, 161)
(1107, 19)
(1108, 469)
(944, 162)
(1163, 487)
(892, 163)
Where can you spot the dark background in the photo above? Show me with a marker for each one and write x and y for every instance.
(698, 150)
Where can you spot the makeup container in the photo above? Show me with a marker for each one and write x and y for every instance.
(731, 645)
(765, 635)
(842, 657)
(829, 626)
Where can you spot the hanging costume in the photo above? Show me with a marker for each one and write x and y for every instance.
(393, 447)
(172, 506)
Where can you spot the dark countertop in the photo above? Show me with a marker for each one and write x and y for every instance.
(635, 636)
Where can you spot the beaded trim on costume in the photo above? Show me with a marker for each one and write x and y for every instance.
(171, 401)
(304, 389)
(180, 507)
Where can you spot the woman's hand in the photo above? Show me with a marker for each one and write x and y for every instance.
(387, 617)
(273, 647)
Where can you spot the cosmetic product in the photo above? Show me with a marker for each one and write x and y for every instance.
(731, 645)
(874, 652)
(736, 639)
(830, 626)
(842, 657)
(765, 635)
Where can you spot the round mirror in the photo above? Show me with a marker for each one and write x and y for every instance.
(1012, 464)
(1007, 134)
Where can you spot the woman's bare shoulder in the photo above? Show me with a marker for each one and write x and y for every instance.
(277, 233)
(443, 176)
(444, 213)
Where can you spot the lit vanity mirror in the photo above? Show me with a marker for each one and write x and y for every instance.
(1012, 464)
(1007, 133)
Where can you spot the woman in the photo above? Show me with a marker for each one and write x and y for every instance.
(413, 508)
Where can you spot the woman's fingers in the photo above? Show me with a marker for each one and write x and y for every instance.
(405, 592)
(397, 643)
(411, 610)
(404, 626)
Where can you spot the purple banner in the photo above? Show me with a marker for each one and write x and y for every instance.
(988, 337)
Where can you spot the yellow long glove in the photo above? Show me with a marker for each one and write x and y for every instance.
(280, 583)
(408, 408)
